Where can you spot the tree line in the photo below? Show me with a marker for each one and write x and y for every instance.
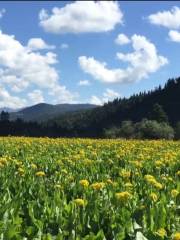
(153, 114)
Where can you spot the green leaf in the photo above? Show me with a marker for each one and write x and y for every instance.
(100, 236)
(140, 236)
(11, 232)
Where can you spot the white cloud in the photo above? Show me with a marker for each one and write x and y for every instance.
(82, 16)
(38, 44)
(108, 95)
(122, 39)
(31, 67)
(64, 46)
(84, 83)
(21, 68)
(43, 14)
(2, 12)
(169, 19)
(174, 36)
(96, 100)
(36, 96)
(62, 95)
(16, 84)
(142, 61)
(10, 101)
(98, 69)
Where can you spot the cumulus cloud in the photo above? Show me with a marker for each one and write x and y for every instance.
(10, 101)
(27, 65)
(108, 95)
(21, 68)
(2, 12)
(96, 100)
(99, 70)
(84, 83)
(169, 19)
(141, 62)
(81, 16)
(36, 96)
(174, 36)
(17, 84)
(122, 39)
(62, 95)
(38, 44)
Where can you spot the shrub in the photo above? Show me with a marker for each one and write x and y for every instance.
(151, 129)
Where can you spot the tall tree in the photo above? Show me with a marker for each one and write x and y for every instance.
(158, 113)
(4, 116)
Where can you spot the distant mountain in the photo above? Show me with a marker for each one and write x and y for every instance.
(44, 111)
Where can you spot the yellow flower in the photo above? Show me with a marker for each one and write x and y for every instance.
(80, 202)
(138, 164)
(21, 171)
(84, 183)
(128, 185)
(40, 174)
(159, 163)
(34, 166)
(153, 197)
(18, 163)
(97, 185)
(109, 181)
(176, 236)
(3, 161)
(161, 232)
(170, 179)
(158, 185)
(64, 171)
(88, 162)
(150, 179)
(174, 193)
(123, 196)
(125, 174)
(148, 176)
(136, 173)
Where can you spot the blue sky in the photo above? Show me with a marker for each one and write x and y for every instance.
(72, 54)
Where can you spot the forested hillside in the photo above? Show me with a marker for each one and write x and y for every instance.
(43, 111)
(135, 108)
(160, 105)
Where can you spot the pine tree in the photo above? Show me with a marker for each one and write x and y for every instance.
(4, 116)
(158, 113)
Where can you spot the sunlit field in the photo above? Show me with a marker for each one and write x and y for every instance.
(89, 189)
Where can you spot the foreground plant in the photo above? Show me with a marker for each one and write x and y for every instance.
(89, 189)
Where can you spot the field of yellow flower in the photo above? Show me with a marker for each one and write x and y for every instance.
(89, 189)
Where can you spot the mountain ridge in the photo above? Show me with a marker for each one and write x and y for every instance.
(45, 111)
